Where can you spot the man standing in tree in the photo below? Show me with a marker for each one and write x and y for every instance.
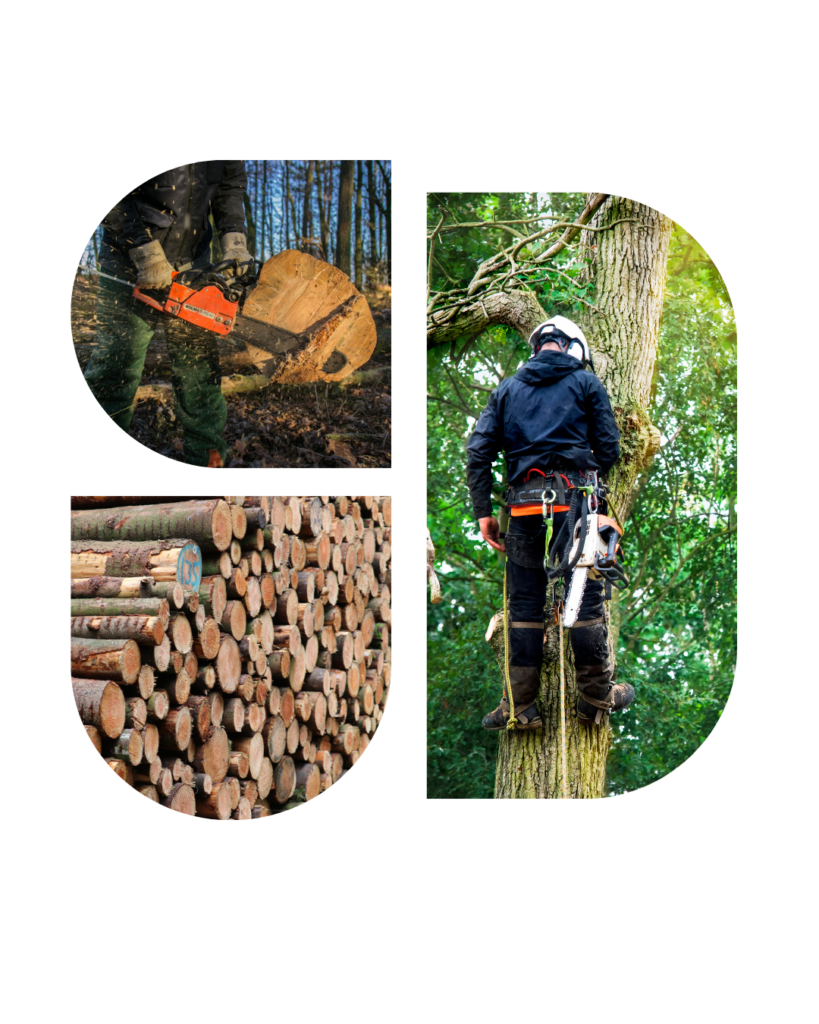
(161, 226)
(555, 425)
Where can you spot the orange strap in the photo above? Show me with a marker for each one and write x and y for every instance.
(531, 510)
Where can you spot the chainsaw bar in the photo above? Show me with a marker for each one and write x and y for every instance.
(275, 340)
(574, 598)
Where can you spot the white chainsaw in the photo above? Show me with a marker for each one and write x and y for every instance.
(594, 554)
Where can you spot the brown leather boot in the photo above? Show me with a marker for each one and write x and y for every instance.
(591, 710)
(214, 459)
(525, 718)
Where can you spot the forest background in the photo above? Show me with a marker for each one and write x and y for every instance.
(677, 638)
(337, 210)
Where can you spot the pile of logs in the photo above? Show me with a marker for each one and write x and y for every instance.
(230, 657)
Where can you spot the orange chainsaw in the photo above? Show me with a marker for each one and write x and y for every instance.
(206, 298)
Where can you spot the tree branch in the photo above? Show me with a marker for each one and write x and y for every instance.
(431, 253)
(497, 223)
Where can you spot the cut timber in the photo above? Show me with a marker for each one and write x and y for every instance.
(181, 798)
(113, 502)
(285, 780)
(103, 606)
(253, 746)
(105, 659)
(166, 561)
(206, 522)
(308, 776)
(216, 805)
(128, 746)
(213, 757)
(101, 704)
(175, 730)
(95, 736)
(147, 629)
(305, 296)
(126, 588)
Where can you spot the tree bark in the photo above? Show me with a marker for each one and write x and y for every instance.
(344, 220)
(206, 522)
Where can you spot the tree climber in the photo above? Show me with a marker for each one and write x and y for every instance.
(555, 425)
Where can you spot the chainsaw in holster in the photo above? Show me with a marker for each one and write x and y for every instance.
(594, 546)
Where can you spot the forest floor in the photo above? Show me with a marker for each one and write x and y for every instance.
(321, 425)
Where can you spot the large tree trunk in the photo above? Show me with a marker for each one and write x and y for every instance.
(345, 214)
(629, 272)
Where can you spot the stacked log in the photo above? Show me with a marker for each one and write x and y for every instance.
(230, 657)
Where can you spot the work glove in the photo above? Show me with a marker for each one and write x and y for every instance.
(234, 247)
(153, 270)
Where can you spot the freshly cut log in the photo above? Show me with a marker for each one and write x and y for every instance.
(279, 664)
(100, 703)
(179, 687)
(298, 670)
(199, 708)
(202, 784)
(149, 772)
(181, 798)
(78, 502)
(304, 296)
(287, 609)
(131, 589)
(235, 790)
(122, 606)
(263, 629)
(158, 705)
(217, 566)
(206, 644)
(253, 746)
(175, 729)
(217, 707)
(206, 522)
(285, 780)
(275, 737)
(242, 812)
(106, 659)
(234, 715)
(308, 777)
(318, 681)
(228, 664)
(265, 780)
(147, 790)
(213, 756)
(128, 746)
(216, 805)
(136, 713)
(181, 634)
(142, 628)
(234, 619)
(238, 521)
(236, 585)
(253, 597)
(166, 561)
(150, 743)
(158, 657)
(239, 764)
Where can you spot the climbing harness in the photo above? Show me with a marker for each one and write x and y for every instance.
(586, 546)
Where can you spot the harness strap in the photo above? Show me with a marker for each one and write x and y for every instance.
(601, 705)
(526, 625)
(587, 622)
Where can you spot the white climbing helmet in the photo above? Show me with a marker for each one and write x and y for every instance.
(566, 333)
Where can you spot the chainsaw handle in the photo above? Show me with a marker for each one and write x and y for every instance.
(147, 299)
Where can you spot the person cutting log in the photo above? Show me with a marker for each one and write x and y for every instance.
(162, 226)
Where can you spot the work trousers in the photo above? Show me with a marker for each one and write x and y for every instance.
(526, 584)
(125, 328)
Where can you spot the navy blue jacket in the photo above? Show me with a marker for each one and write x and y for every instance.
(551, 414)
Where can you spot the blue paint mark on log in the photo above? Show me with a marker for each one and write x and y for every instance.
(189, 566)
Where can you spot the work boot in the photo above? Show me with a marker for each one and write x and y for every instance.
(619, 696)
(528, 718)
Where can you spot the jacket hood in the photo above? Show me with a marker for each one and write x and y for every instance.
(547, 368)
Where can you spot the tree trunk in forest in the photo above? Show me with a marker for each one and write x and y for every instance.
(345, 213)
(324, 229)
(373, 261)
(628, 269)
(387, 217)
(359, 244)
(307, 208)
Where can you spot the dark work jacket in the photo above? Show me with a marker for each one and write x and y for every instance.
(173, 208)
(551, 414)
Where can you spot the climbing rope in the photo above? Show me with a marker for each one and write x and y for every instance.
(512, 720)
(563, 760)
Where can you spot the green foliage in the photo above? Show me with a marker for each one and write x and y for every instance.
(677, 641)
(678, 620)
